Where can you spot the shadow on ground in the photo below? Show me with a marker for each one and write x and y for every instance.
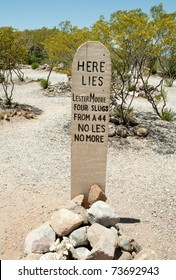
(33, 109)
(124, 220)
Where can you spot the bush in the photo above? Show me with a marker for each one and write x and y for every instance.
(167, 115)
(169, 82)
(132, 88)
(1, 77)
(43, 83)
(35, 65)
(36, 53)
(153, 70)
(122, 113)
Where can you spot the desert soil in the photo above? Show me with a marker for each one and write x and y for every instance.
(35, 171)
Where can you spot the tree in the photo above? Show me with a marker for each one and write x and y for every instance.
(33, 40)
(65, 26)
(12, 53)
(164, 26)
(132, 40)
(157, 11)
(61, 47)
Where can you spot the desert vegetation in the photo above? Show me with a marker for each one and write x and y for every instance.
(141, 45)
(35, 151)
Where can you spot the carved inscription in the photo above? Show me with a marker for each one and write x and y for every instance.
(91, 74)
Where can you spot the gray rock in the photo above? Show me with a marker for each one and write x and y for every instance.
(136, 247)
(126, 245)
(39, 240)
(96, 231)
(122, 131)
(132, 121)
(64, 221)
(103, 250)
(100, 212)
(80, 236)
(82, 252)
(114, 120)
(111, 130)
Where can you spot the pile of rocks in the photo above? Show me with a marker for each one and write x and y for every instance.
(116, 126)
(133, 129)
(76, 233)
(153, 132)
(24, 66)
(16, 110)
(44, 67)
(58, 89)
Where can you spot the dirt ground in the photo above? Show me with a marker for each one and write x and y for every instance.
(35, 172)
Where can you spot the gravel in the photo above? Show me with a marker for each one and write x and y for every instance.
(35, 172)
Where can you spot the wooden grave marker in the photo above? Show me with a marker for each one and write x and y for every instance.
(91, 78)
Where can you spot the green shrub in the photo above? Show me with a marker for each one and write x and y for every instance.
(1, 77)
(35, 65)
(1, 116)
(167, 115)
(153, 70)
(36, 53)
(123, 113)
(169, 82)
(132, 88)
(43, 83)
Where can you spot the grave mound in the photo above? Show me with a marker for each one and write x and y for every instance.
(77, 233)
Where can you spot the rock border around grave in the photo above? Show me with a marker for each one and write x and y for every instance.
(76, 233)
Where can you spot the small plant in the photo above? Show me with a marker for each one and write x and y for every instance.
(169, 82)
(1, 77)
(1, 116)
(132, 88)
(7, 101)
(123, 113)
(43, 83)
(153, 70)
(167, 115)
(35, 65)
